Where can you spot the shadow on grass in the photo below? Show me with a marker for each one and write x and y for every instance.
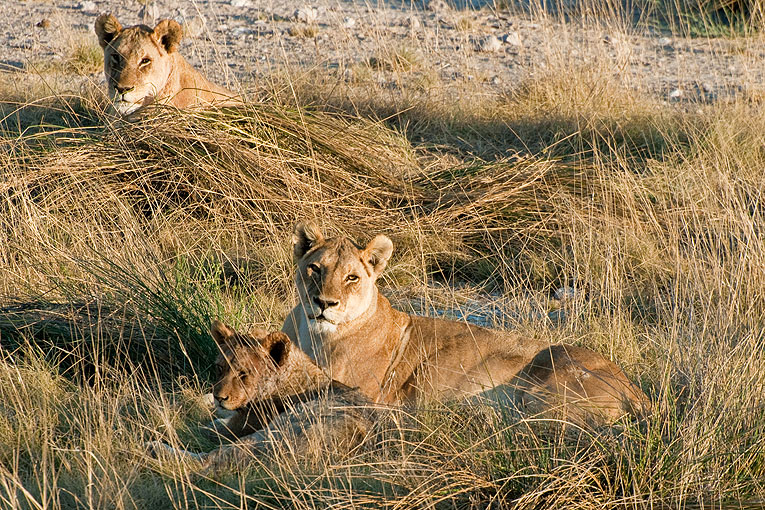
(90, 341)
(45, 116)
(547, 116)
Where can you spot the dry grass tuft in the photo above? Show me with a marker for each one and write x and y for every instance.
(303, 30)
(398, 60)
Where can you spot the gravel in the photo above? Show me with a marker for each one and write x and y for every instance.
(242, 41)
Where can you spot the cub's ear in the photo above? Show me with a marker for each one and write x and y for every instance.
(222, 334)
(168, 33)
(305, 236)
(378, 252)
(278, 346)
(107, 28)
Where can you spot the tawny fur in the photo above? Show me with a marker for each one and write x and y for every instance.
(143, 66)
(349, 327)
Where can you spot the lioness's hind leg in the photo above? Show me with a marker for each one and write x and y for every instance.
(578, 385)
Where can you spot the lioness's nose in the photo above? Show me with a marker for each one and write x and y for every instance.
(324, 303)
(123, 90)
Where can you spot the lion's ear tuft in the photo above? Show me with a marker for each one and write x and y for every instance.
(107, 28)
(222, 334)
(378, 252)
(169, 33)
(278, 346)
(305, 236)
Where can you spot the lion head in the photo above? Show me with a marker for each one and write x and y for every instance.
(336, 279)
(137, 60)
(251, 367)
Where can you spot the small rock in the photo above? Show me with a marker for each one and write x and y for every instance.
(437, 5)
(88, 5)
(675, 94)
(665, 41)
(412, 22)
(512, 39)
(306, 14)
(148, 13)
(564, 293)
(708, 88)
(490, 44)
(240, 32)
(349, 22)
(44, 23)
(192, 27)
(240, 3)
(496, 80)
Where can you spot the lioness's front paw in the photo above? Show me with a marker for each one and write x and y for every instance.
(156, 449)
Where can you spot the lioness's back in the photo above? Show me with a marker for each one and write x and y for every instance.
(452, 359)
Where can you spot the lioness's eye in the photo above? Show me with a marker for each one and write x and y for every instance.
(351, 278)
(314, 268)
(145, 61)
(115, 58)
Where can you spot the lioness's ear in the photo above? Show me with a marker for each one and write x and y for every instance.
(378, 252)
(222, 334)
(107, 28)
(305, 236)
(168, 32)
(277, 345)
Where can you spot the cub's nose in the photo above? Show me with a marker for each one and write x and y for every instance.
(325, 303)
(123, 90)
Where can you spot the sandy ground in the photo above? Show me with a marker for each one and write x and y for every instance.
(242, 41)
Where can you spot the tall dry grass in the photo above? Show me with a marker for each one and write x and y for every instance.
(120, 242)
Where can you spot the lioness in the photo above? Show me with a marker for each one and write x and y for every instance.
(280, 399)
(346, 325)
(143, 66)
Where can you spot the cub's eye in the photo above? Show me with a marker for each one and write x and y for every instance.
(314, 268)
(144, 62)
(242, 374)
(351, 278)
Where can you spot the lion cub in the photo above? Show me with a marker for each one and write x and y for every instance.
(142, 66)
(280, 399)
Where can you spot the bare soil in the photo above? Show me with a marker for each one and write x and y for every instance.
(241, 42)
